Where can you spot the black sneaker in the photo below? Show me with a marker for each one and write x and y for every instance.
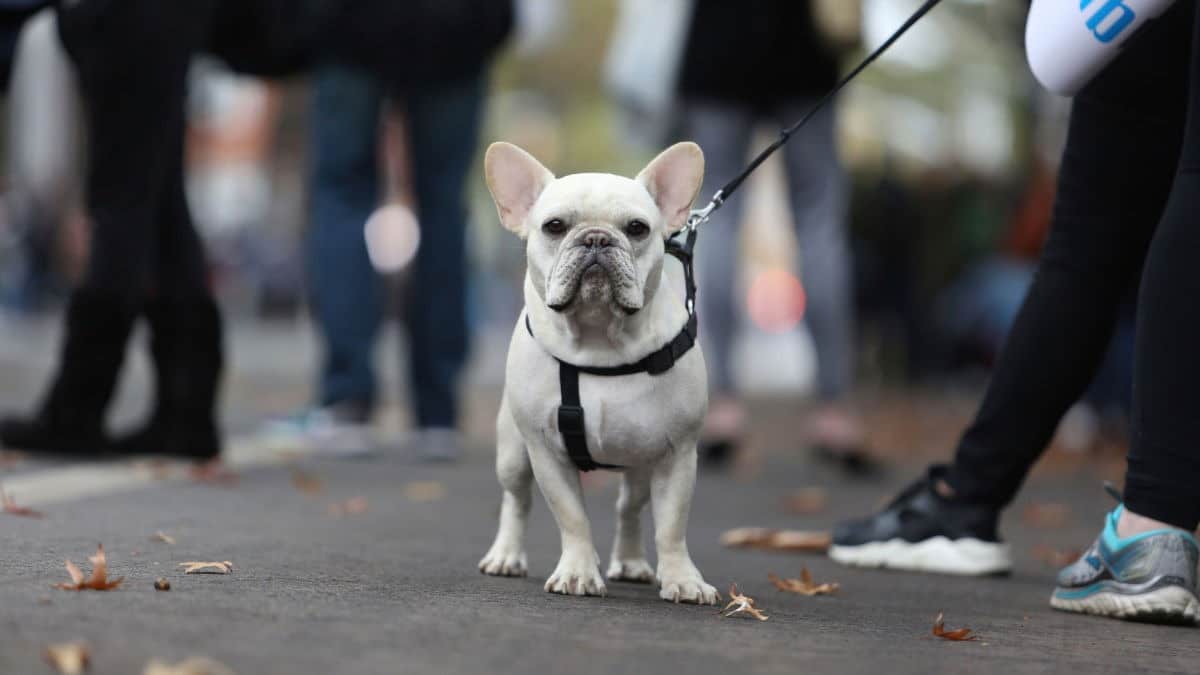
(924, 532)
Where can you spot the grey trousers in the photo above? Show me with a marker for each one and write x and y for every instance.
(818, 188)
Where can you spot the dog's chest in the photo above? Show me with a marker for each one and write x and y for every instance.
(629, 419)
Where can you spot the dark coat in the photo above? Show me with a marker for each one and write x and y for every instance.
(406, 43)
(755, 52)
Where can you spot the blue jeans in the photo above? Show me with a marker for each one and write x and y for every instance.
(347, 298)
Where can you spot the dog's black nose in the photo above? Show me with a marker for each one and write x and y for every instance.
(597, 239)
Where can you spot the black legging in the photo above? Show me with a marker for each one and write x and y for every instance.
(132, 59)
(1118, 168)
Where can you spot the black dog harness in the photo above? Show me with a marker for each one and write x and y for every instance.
(570, 412)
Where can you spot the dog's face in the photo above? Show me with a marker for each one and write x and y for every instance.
(595, 241)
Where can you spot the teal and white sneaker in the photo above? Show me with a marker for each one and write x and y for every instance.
(336, 430)
(1147, 577)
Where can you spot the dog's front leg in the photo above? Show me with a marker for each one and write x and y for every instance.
(671, 487)
(629, 552)
(578, 570)
(506, 557)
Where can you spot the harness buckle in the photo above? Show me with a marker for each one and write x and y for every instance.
(570, 420)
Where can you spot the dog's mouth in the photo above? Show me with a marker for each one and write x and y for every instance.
(594, 276)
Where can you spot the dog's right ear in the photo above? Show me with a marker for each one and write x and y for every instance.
(516, 180)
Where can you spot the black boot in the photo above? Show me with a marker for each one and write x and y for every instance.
(185, 345)
(71, 418)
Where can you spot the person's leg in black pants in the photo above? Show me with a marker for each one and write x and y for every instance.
(1143, 564)
(1117, 168)
(132, 60)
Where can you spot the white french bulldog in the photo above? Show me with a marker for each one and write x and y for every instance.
(598, 293)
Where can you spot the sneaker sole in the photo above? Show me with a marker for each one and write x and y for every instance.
(968, 557)
(1170, 604)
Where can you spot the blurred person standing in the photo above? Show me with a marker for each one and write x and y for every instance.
(746, 63)
(131, 59)
(442, 100)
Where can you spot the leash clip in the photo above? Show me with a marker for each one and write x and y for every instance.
(698, 216)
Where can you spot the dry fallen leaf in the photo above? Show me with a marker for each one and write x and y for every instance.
(1054, 557)
(960, 635)
(7, 505)
(1046, 515)
(741, 605)
(349, 507)
(197, 665)
(806, 501)
(214, 472)
(424, 491)
(194, 567)
(778, 540)
(804, 585)
(163, 537)
(162, 584)
(99, 580)
(69, 658)
(307, 483)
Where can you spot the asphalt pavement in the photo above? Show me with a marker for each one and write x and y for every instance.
(394, 588)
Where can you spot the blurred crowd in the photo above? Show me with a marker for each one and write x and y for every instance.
(337, 186)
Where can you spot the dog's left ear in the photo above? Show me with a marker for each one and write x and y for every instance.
(673, 180)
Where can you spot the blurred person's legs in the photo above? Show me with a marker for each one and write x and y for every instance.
(723, 131)
(1116, 173)
(1143, 564)
(819, 189)
(132, 60)
(185, 333)
(443, 129)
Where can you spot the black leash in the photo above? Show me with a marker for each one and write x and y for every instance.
(570, 411)
(701, 215)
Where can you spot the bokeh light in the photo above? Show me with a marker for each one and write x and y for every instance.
(776, 301)
(393, 237)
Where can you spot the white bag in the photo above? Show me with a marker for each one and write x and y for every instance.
(642, 65)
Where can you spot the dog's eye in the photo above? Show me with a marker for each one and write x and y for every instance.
(554, 227)
(637, 228)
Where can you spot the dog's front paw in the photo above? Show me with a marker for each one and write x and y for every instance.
(503, 562)
(576, 575)
(681, 582)
(636, 570)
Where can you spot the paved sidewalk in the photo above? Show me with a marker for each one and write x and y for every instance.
(395, 589)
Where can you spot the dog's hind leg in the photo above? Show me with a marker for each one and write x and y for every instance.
(629, 551)
(671, 487)
(506, 557)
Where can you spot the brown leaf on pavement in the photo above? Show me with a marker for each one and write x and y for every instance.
(163, 537)
(194, 567)
(424, 491)
(307, 483)
(804, 585)
(741, 605)
(804, 541)
(98, 581)
(806, 501)
(960, 635)
(1054, 557)
(197, 665)
(1046, 515)
(213, 472)
(68, 658)
(162, 584)
(9, 506)
(351, 506)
